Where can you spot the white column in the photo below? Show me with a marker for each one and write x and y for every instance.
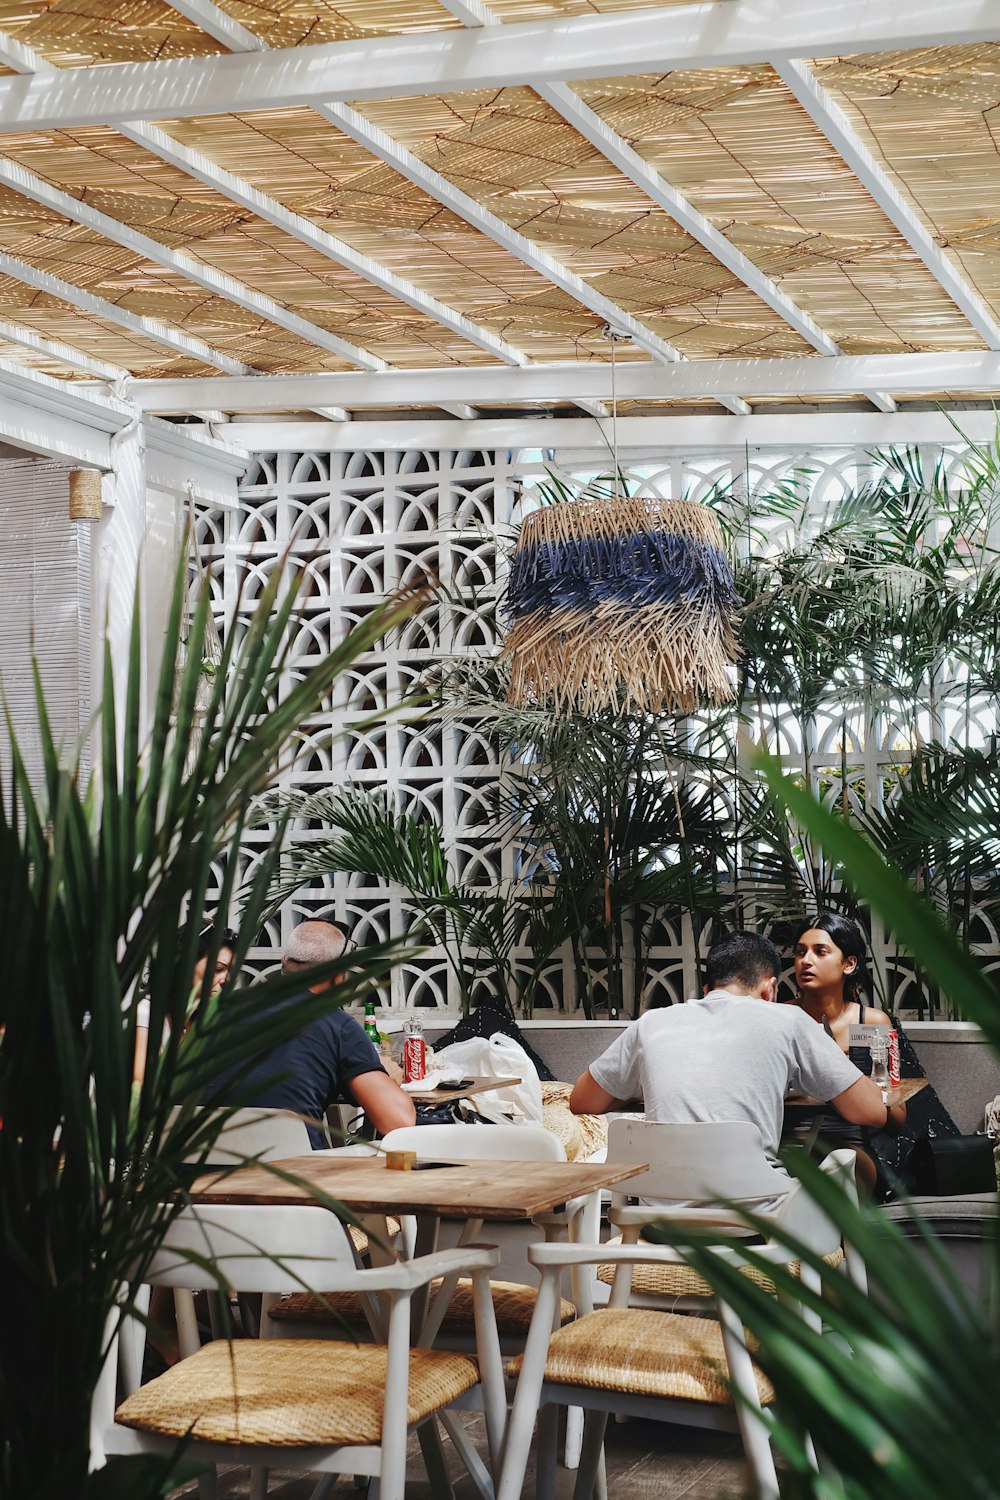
(117, 557)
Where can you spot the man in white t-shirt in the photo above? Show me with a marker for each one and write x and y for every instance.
(730, 1055)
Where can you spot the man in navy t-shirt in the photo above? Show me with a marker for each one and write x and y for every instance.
(332, 1059)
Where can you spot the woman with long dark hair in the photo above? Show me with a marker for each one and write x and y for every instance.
(831, 975)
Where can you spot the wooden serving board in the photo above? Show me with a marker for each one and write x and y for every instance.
(466, 1091)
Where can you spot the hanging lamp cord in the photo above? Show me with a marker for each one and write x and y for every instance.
(614, 411)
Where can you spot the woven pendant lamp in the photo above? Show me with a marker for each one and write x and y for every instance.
(620, 603)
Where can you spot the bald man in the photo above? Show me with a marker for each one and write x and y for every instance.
(329, 1061)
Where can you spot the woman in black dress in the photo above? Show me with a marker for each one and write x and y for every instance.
(832, 979)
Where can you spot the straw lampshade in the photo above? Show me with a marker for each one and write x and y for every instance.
(620, 603)
(85, 495)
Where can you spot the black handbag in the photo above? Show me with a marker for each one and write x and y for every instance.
(948, 1165)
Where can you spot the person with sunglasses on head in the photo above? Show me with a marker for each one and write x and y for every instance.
(330, 1059)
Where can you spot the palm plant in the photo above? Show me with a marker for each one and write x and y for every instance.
(899, 1393)
(103, 882)
(363, 834)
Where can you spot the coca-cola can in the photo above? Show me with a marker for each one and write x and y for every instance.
(414, 1059)
(894, 1058)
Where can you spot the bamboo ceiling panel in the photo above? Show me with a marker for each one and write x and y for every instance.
(512, 152)
(932, 119)
(51, 243)
(289, 23)
(129, 184)
(319, 172)
(54, 319)
(32, 359)
(71, 33)
(737, 143)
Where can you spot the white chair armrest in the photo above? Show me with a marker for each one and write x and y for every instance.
(546, 1256)
(714, 1216)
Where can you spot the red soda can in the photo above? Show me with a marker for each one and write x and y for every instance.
(414, 1057)
(893, 1058)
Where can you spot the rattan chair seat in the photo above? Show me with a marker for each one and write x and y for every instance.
(290, 1393)
(512, 1303)
(359, 1238)
(684, 1281)
(644, 1352)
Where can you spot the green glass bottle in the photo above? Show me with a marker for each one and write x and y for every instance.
(371, 1025)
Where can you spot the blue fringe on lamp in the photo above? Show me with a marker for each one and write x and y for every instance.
(623, 604)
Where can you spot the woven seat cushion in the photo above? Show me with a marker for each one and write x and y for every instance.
(645, 1352)
(290, 1393)
(685, 1281)
(513, 1304)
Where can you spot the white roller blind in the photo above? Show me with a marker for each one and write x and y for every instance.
(45, 606)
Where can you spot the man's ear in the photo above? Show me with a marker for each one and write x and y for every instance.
(769, 989)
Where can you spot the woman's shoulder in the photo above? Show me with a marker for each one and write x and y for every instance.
(875, 1017)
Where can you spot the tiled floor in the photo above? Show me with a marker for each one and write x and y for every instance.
(646, 1461)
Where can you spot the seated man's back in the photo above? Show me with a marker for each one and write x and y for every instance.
(729, 1056)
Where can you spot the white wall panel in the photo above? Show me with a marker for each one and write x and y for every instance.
(45, 573)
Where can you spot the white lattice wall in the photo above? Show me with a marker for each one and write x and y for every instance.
(362, 524)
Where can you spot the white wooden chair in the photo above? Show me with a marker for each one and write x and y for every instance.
(653, 1360)
(514, 1283)
(322, 1406)
(700, 1166)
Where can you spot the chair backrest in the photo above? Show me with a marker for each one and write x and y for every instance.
(256, 1248)
(718, 1162)
(701, 1163)
(477, 1142)
(261, 1134)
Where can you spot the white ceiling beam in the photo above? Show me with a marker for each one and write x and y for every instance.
(616, 150)
(653, 437)
(549, 51)
(25, 61)
(148, 328)
(24, 426)
(74, 359)
(75, 400)
(58, 418)
(404, 161)
(825, 112)
(219, 25)
(183, 462)
(704, 379)
(14, 176)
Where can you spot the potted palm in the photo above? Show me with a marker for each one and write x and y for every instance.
(898, 1393)
(104, 882)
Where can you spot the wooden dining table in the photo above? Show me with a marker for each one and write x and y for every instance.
(475, 1192)
(460, 1190)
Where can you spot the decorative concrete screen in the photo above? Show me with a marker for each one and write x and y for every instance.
(363, 524)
